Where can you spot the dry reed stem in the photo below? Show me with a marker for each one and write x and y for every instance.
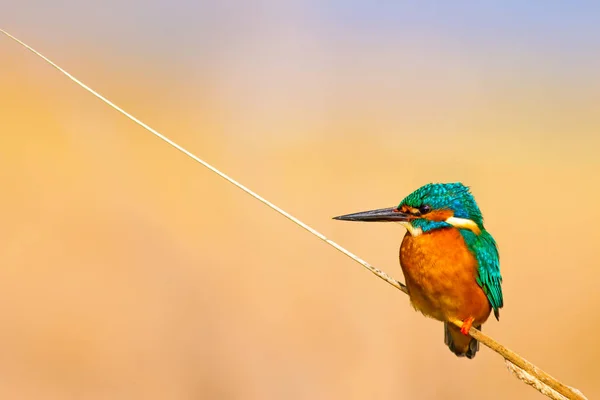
(534, 382)
(521, 368)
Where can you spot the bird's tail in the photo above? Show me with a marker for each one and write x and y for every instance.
(459, 344)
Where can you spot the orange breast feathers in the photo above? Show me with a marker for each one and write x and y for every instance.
(440, 274)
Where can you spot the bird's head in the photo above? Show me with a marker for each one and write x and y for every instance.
(433, 206)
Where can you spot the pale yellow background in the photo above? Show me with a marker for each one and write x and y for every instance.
(127, 271)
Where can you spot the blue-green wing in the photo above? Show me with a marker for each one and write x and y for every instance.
(489, 278)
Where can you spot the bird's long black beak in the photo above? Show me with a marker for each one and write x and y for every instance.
(381, 215)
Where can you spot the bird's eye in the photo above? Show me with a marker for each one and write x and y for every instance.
(424, 209)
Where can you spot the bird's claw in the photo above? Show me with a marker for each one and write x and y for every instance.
(466, 326)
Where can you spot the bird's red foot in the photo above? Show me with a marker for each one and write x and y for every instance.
(466, 326)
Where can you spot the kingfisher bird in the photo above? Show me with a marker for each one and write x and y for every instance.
(450, 262)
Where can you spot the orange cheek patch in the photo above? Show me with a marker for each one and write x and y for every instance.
(439, 215)
(409, 210)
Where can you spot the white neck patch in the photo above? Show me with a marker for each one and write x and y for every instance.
(411, 229)
(463, 223)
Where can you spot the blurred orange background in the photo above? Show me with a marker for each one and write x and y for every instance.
(127, 271)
